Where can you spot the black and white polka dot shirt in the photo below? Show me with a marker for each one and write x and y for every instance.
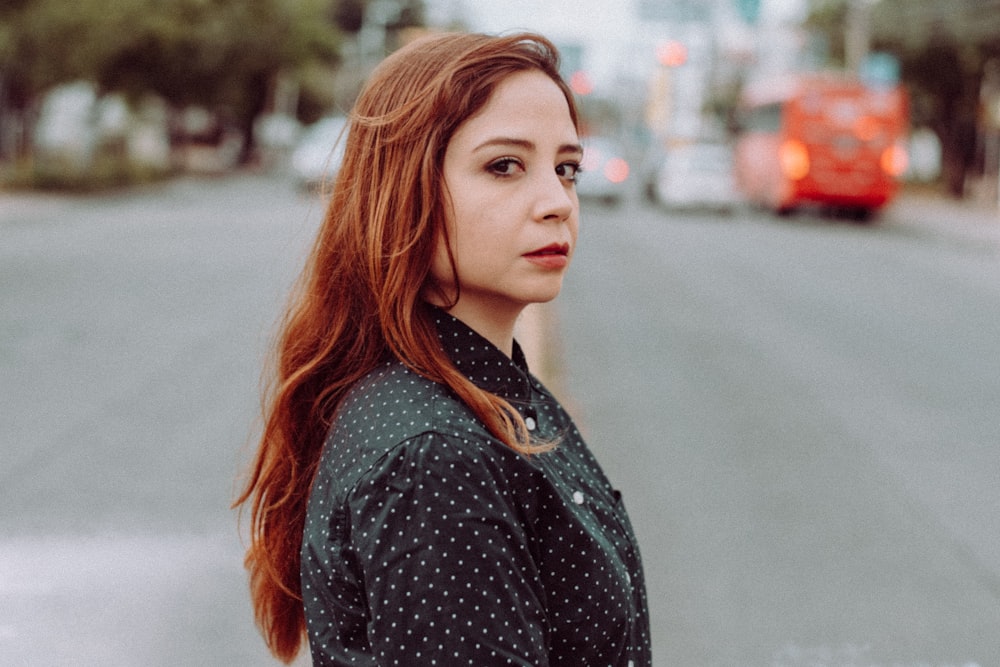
(430, 542)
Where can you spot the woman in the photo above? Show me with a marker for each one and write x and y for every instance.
(418, 497)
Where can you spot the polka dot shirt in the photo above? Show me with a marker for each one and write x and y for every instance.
(430, 542)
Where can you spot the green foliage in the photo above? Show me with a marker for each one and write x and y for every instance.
(207, 52)
(46, 42)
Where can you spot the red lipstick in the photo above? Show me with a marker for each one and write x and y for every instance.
(552, 256)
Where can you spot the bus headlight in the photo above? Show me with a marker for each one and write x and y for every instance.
(894, 160)
(793, 156)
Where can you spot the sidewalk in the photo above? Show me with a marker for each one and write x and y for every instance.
(936, 215)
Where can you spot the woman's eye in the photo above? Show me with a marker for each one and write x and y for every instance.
(569, 170)
(507, 166)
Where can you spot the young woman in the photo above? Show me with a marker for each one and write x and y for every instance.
(418, 498)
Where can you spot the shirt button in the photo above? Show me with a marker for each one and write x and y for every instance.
(530, 423)
(578, 497)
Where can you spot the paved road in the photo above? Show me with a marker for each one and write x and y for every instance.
(131, 331)
(801, 415)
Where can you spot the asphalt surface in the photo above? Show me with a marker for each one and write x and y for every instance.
(801, 415)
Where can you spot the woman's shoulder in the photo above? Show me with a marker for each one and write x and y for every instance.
(393, 402)
(390, 407)
(389, 382)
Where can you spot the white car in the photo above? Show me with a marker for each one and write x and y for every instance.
(697, 176)
(319, 152)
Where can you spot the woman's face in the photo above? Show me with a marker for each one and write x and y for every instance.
(510, 173)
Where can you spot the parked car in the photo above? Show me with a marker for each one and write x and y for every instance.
(319, 152)
(696, 176)
(605, 170)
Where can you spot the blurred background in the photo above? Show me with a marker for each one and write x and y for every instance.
(92, 94)
(779, 336)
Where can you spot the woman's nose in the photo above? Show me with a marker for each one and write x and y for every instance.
(556, 199)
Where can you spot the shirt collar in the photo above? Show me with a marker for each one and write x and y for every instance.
(480, 360)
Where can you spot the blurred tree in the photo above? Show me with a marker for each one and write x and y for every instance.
(224, 55)
(46, 42)
(944, 96)
(220, 54)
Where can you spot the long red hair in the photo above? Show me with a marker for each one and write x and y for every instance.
(358, 301)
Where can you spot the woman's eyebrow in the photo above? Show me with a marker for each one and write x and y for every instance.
(525, 144)
(506, 141)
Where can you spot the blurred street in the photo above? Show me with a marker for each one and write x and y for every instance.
(131, 335)
(801, 414)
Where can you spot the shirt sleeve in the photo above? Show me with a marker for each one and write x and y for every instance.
(445, 552)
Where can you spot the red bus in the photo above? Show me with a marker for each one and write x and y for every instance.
(820, 139)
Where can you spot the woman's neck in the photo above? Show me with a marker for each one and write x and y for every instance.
(494, 324)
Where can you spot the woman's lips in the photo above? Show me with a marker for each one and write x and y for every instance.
(552, 256)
